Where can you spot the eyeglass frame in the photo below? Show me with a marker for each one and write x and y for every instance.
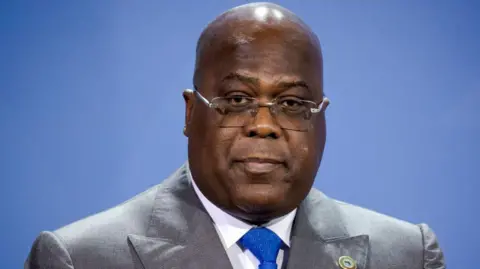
(270, 104)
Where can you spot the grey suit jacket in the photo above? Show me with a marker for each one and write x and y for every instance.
(167, 227)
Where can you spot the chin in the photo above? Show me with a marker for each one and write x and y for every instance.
(261, 200)
(259, 197)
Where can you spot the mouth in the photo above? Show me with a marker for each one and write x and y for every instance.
(258, 165)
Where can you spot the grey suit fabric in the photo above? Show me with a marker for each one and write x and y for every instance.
(167, 227)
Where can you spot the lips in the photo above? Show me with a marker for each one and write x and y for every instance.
(259, 165)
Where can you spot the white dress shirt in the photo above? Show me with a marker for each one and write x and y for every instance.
(231, 229)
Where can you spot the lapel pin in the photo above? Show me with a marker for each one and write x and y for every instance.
(346, 262)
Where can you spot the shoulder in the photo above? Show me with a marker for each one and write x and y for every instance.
(360, 220)
(101, 239)
(392, 241)
(131, 216)
(395, 241)
(92, 240)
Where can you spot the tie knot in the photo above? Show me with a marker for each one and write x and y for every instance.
(264, 244)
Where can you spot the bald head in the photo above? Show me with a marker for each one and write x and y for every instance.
(255, 23)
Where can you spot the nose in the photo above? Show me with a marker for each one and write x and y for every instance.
(263, 125)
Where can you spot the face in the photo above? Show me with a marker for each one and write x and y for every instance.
(259, 171)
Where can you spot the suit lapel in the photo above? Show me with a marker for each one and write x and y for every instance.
(180, 234)
(319, 237)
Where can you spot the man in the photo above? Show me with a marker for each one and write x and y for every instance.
(256, 133)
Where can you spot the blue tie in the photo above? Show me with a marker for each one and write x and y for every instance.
(264, 244)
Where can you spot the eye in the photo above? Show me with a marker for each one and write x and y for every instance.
(238, 100)
(291, 103)
(293, 106)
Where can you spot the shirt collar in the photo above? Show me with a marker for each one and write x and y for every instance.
(232, 229)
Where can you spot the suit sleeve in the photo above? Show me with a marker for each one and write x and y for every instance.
(432, 254)
(48, 252)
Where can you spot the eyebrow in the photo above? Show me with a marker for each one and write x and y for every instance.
(255, 81)
(242, 78)
(292, 84)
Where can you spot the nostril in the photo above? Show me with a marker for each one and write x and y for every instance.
(252, 134)
(263, 133)
(273, 135)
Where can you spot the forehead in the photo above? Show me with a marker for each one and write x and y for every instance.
(270, 54)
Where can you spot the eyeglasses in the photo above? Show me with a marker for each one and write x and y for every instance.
(289, 112)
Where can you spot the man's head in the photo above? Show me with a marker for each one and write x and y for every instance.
(260, 164)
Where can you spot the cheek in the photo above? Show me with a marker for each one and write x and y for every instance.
(222, 141)
(299, 148)
(304, 148)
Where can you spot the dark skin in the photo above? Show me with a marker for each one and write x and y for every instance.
(260, 171)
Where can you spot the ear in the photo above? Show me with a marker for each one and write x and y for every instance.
(189, 97)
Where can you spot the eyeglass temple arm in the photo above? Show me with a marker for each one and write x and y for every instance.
(200, 96)
(323, 105)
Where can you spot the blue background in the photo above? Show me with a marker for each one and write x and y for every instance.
(91, 111)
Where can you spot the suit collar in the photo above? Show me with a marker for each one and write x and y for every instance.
(180, 232)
